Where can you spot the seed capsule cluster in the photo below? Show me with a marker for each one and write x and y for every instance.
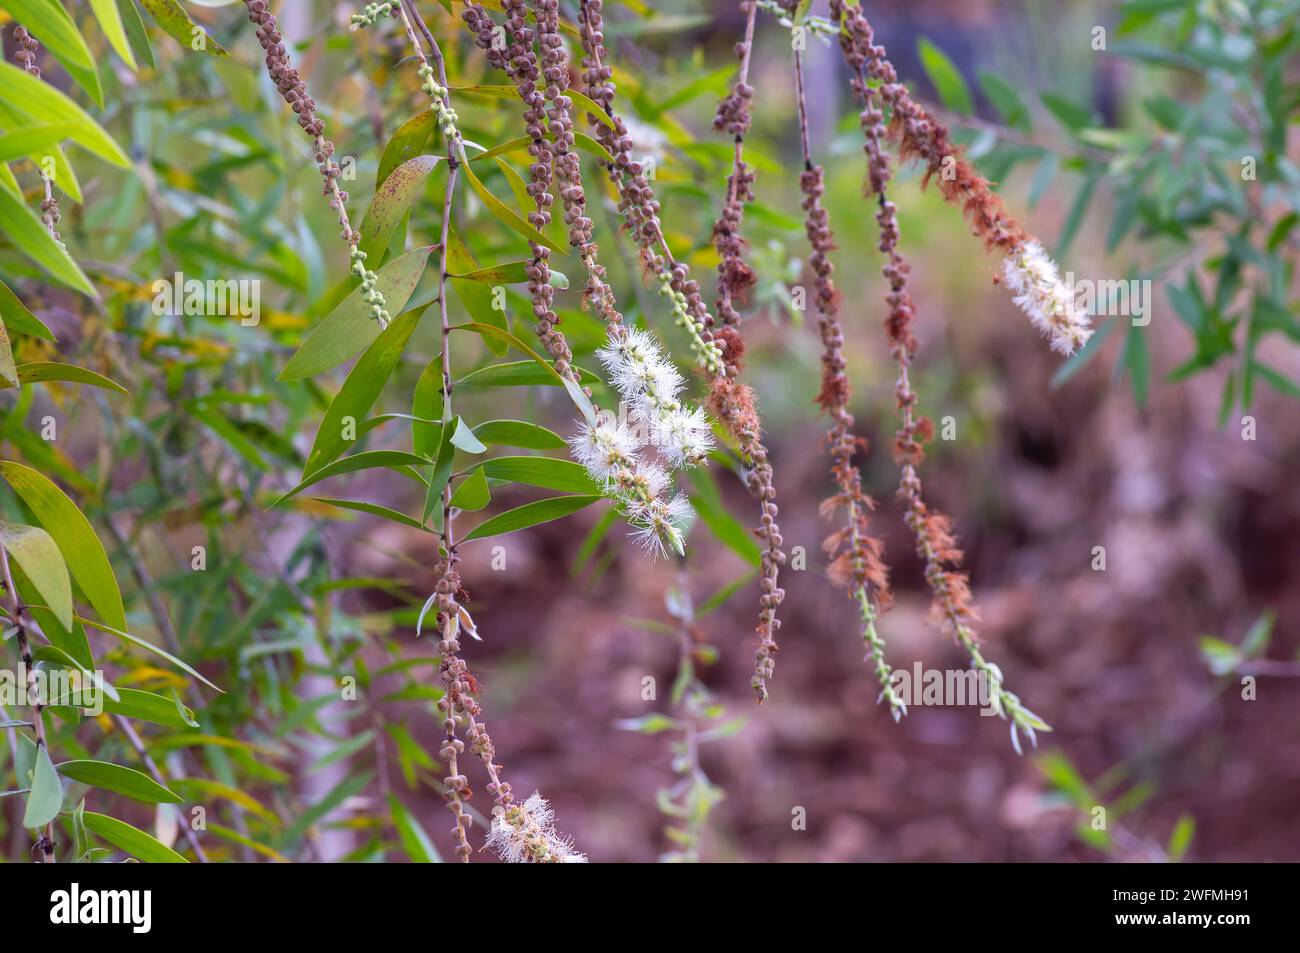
(294, 91)
(731, 401)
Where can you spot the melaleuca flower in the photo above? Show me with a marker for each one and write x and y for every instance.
(683, 435)
(639, 370)
(661, 527)
(650, 385)
(525, 834)
(1032, 277)
(605, 448)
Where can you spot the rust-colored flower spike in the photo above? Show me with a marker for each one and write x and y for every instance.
(1027, 270)
(856, 554)
(291, 87)
(735, 276)
(935, 542)
(730, 400)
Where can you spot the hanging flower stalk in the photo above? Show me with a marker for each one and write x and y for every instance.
(1027, 269)
(26, 48)
(730, 400)
(856, 554)
(935, 543)
(291, 87)
(735, 276)
(610, 448)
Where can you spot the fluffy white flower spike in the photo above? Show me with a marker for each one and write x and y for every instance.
(684, 436)
(1032, 277)
(661, 527)
(525, 834)
(605, 448)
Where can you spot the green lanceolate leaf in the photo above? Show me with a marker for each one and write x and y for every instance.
(45, 799)
(530, 514)
(81, 548)
(149, 646)
(518, 433)
(946, 77)
(132, 840)
(392, 201)
(551, 473)
(477, 297)
(46, 104)
(374, 509)
(360, 391)
(366, 460)
(110, 21)
(506, 215)
(42, 371)
(176, 23)
(18, 319)
(415, 842)
(410, 140)
(349, 328)
(33, 140)
(473, 492)
(21, 226)
(37, 555)
(119, 780)
(8, 373)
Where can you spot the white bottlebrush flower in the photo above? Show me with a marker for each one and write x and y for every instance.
(660, 528)
(1032, 277)
(683, 436)
(525, 834)
(605, 447)
(638, 368)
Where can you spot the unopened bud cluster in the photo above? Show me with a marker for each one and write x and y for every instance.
(372, 13)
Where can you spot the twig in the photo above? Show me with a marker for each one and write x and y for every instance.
(23, 621)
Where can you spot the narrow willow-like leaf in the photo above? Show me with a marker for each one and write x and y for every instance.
(366, 460)
(119, 780)
(530, 514)
(360, 391)
(176, 23)
(41, 371)
(473, 492)
(393, 199)
(350, 328)
(518, 433)
(24, 229)
(131, 839)
(45, 799)
(87, 562)
(551, 473)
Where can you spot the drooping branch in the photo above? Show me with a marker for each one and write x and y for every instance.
(24, 624)
(730, 400)
(1028, 271)
(856, 553)
(294, 90)
(935, 542)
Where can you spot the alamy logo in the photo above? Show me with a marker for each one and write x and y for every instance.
(74, 906)
(943, 687)
(1111, 297)
(23, 687)
(240, 298)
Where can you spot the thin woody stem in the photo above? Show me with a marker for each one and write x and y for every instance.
(857, 564)
(22, 622)
(152, 767)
